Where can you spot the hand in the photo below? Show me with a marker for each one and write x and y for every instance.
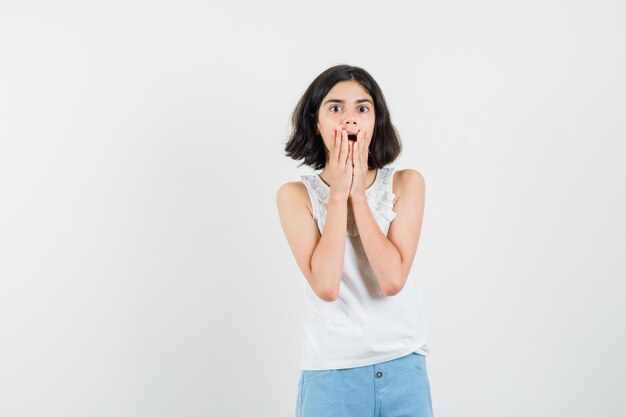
(339, 164)
(360, 155)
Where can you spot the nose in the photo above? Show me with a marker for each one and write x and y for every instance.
(349, 119)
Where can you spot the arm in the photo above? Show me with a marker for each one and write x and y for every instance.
(319, 257)
(391, 258)
(327, 260)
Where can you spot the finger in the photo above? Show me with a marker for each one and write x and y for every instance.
(360, 147)
(340, 154)
(336, 144)
(360, 137)
(331, 147)
(350, 152)
(344, 146)
(366, 148)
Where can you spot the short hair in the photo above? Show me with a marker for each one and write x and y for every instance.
(306, 143)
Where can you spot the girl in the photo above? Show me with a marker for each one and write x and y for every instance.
(353, 230)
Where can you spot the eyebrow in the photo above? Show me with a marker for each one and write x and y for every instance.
(361, 100)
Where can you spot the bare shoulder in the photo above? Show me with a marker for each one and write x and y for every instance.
(407, 181)
(292, 194)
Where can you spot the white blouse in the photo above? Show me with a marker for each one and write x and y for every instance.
(362, 326)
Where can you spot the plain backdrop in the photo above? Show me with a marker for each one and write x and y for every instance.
(143, 269)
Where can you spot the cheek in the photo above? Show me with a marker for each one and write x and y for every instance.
(325, 126)
(327, 136)
(369, 119)
(327, 129)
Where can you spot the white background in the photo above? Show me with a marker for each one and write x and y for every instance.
(143, 270)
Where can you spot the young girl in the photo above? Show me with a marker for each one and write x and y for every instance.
(353, 230)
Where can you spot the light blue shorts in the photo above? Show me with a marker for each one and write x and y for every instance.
(398, 387)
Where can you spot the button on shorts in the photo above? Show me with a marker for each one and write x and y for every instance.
(398, 387)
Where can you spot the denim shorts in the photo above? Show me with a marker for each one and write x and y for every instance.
(398, 387)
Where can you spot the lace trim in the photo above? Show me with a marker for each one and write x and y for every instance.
(383, 201)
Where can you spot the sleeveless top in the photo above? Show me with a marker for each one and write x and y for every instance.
(362, 326)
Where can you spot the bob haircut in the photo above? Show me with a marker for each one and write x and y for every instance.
(306, 143)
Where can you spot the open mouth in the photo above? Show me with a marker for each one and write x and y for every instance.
(352, 136)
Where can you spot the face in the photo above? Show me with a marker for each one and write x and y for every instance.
(349, 106)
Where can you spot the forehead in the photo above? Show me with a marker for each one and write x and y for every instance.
(349, 88)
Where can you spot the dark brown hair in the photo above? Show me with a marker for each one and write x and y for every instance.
(305, 143)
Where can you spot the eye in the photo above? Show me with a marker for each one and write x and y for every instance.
(364, 109)
(334, 107)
